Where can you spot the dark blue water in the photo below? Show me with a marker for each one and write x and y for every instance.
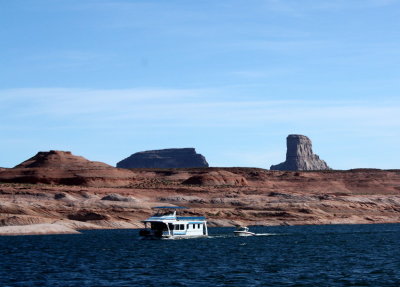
(336, 255)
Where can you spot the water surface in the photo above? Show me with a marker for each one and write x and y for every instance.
(334, 255)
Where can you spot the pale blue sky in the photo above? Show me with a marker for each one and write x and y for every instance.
(105, 79)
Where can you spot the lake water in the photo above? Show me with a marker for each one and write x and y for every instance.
(335, 255)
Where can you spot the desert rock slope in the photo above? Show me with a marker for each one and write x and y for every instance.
(62, 167)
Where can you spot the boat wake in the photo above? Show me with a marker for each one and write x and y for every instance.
(267, 234)
(232, 235)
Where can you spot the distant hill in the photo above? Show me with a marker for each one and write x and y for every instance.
(62, 167)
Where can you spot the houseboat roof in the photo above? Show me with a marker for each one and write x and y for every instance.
(171, 217)
(174, 218)
(190, 218)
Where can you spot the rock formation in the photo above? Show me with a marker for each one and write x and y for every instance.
(62, 167)
(55, 159)
(299, 155)
(117, 197)
(165, 158)
(216, 178)
(263, 197)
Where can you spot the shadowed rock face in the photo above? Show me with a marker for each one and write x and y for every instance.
(217, 178)
(299, 155)
(165, 158)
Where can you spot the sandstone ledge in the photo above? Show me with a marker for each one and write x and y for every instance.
(37, 229)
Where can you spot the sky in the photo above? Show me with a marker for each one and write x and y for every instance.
(232, 78)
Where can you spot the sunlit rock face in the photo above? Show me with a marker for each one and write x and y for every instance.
(299, 155)
(62, 167)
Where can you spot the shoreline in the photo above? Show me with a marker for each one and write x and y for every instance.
(58, 229)
(227, 197)
(36, 229)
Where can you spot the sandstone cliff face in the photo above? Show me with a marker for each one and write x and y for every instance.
(62, 167)
(165, 158)
(299, 155)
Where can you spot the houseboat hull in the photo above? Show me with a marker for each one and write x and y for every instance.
(147, 234)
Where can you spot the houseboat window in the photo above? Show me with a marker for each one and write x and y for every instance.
(187, 227)
(198, 225)
(180, 227)
(171, 226)
(194, 226)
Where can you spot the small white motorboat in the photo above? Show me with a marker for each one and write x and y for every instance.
(243, 231)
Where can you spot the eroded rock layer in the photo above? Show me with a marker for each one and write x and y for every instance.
(216, 178)
(56, 192)
(226, 196)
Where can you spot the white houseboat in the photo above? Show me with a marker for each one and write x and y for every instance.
(166, 224)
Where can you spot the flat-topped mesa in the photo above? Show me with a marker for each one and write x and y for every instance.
(164, 158)
(299, 155)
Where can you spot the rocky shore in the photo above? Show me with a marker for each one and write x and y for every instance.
(58, 192)
(226, 196)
